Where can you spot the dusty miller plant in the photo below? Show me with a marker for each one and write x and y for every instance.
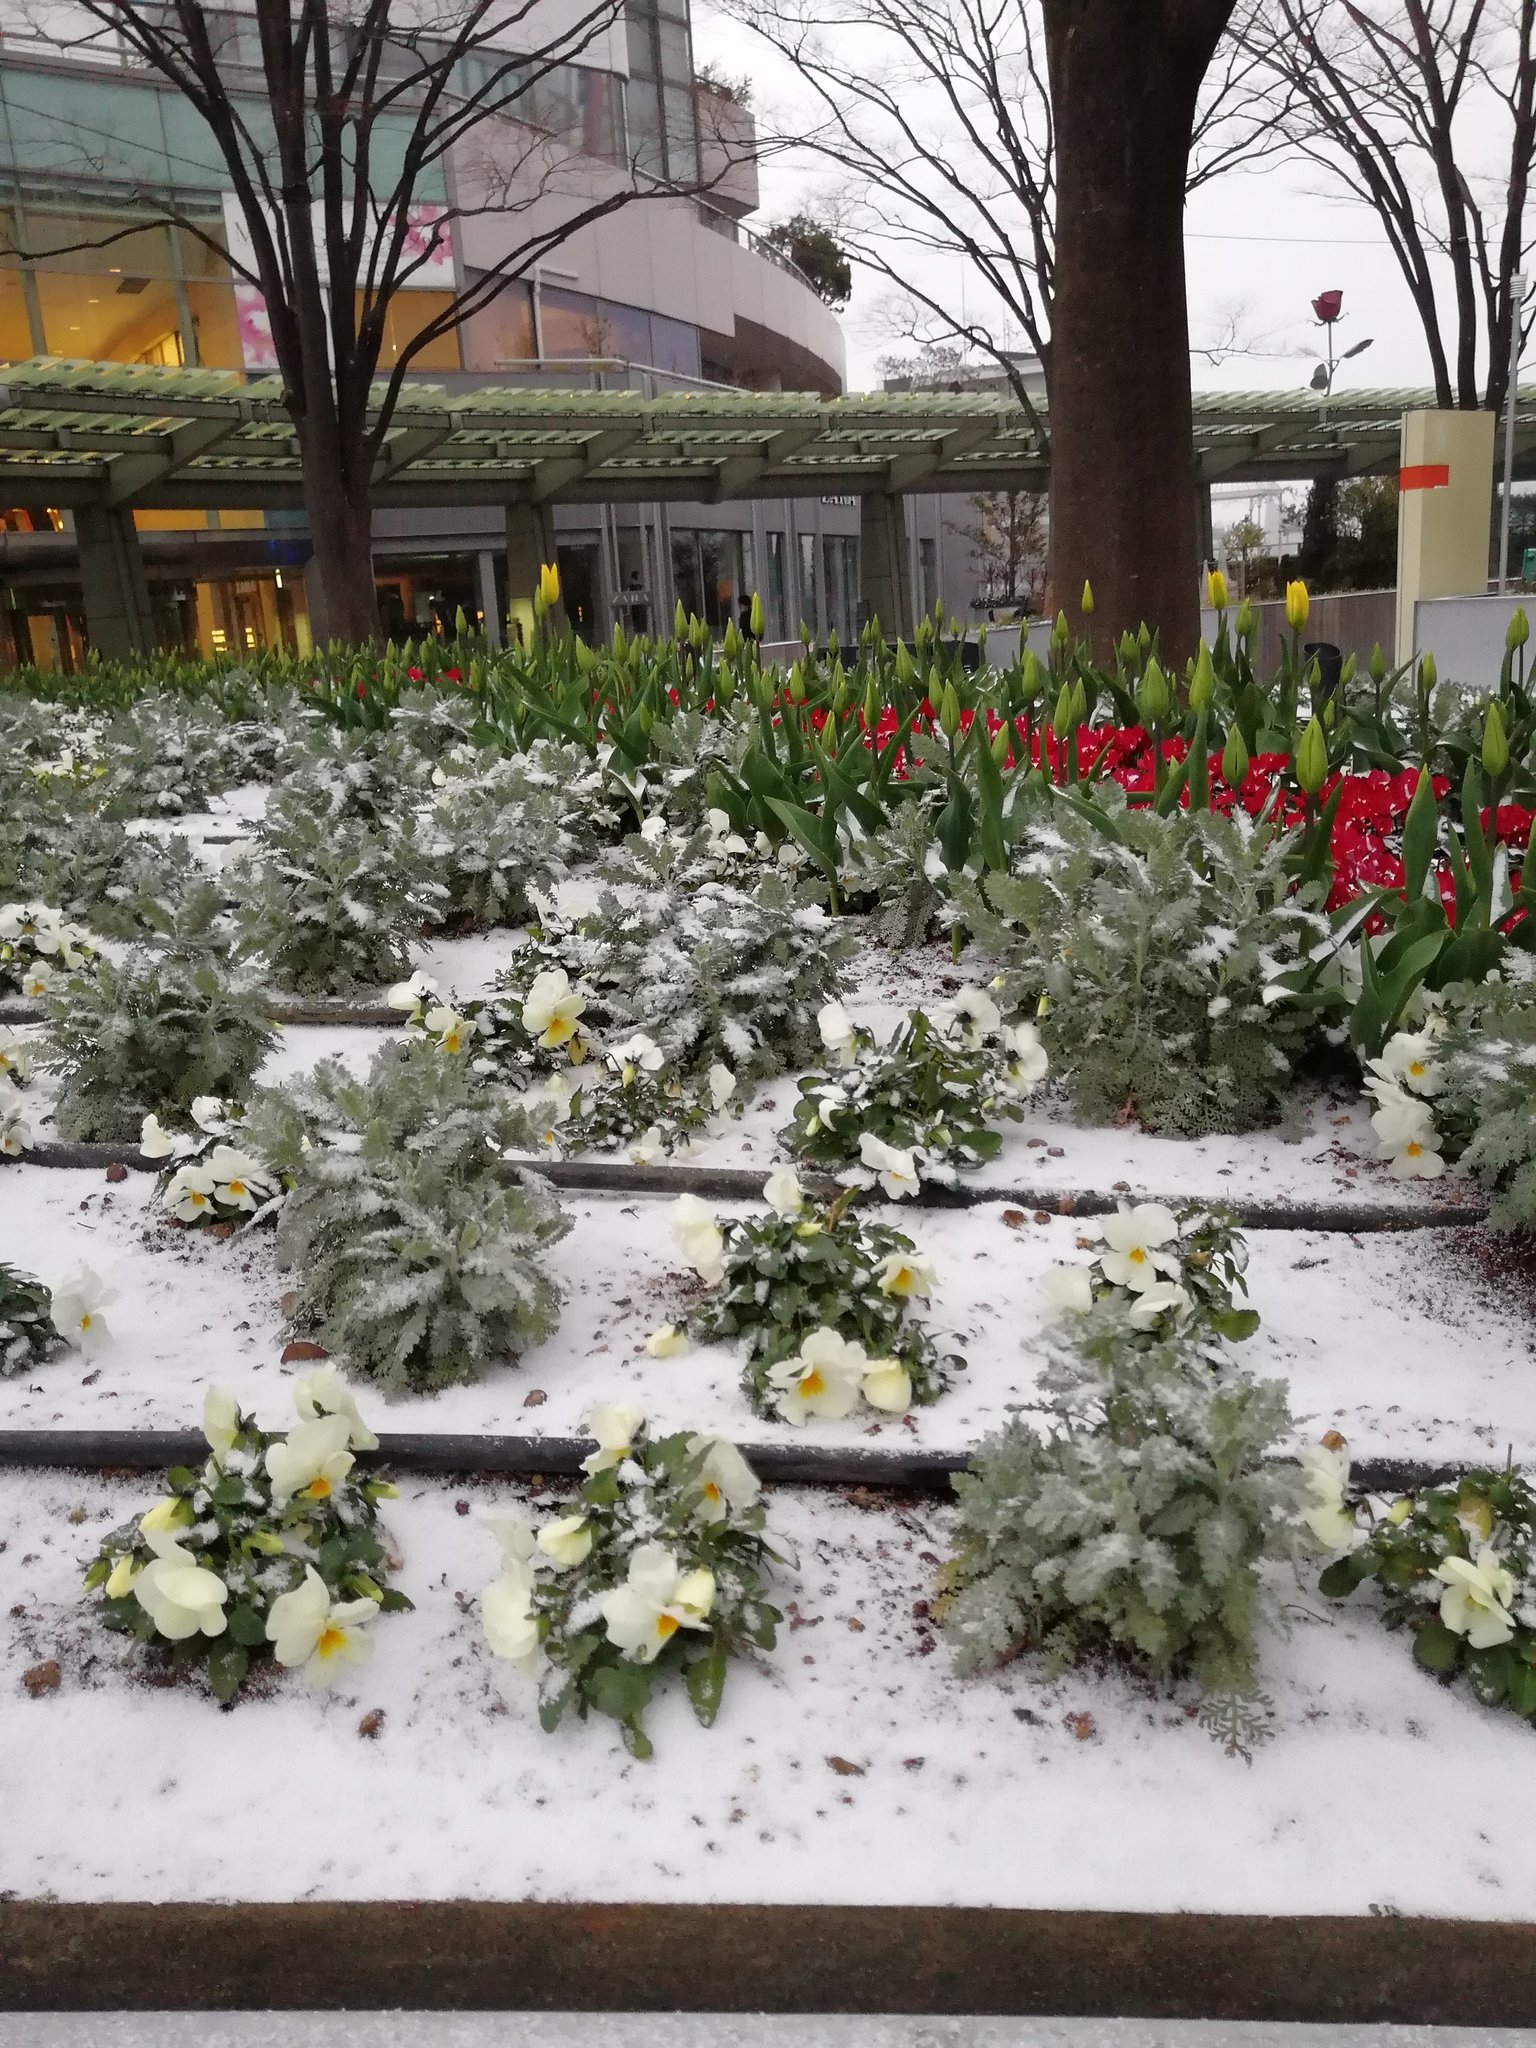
(1148, 943)
(418, 1254)
(149, 1037)
(332, 904)
(27, 1335)
(501, 825)
(1131, 1518)
(1489, 1060)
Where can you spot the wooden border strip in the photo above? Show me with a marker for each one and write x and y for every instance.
(742, 1184)
(482, 1956)
(281, 1010)
(440, 1455)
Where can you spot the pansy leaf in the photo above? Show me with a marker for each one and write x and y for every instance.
(1436, 1648)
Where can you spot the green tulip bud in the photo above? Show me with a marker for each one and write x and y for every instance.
(1061, 717)
(795, 687)
(730, 641)
(1429, 675)
(1154, 699)
(1061, 632)
(1377, 665)
(1126, 649)
(1000, 743)
(1495, 746)
(905, 670)
(1247, 624)
(460, 624)
(871, 705)
(755, 617)
(1031, 676)
(1234, 759)
(1518, 630)
(679, 622)
(1202, 686)
(1143, 639)
(1079, 703)
(949, 711)
(1311, 761)
(1348, 671)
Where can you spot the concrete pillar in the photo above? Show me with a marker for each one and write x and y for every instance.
(885, 569)
(490, 604)
(1445, 512)
(530, 544)
(118, 616)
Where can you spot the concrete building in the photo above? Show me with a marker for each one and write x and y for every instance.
(674, 293)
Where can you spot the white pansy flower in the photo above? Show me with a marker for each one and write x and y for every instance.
(189, 1194)
(552, 1008)
(783, 1193)
(823, 1379)
(178, 1594)
(905, 1274)
(666, 1342)
(1067, 1291)
(836, 1028)
(307, 1627)
(566, 1541)
(77, 1304)
(888, 1386)
(655, 1601)
(648, 1147)
(155, 1142)
(1163, 1297)
(414, 994)
(209, 1114)
(726, 1480)
(1139, 1239)
(614, 1424)
(722, 1085)
(453, 1032)
(325, 1392)
(506, 1608)
(1400, 1116)
(221, 1418)
(16, 1056)
(1477, 1597)
(1325, 1469)
(240, 1182)
(1408, 1062)
(37, 980)
(1027, 1061)
(311, 1460)
(971, 1016)
(15, 1131)
(1408, 1140)
(698, 1238)
(895, 1170)
(638, 1054)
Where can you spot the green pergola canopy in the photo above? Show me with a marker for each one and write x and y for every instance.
(74, 434)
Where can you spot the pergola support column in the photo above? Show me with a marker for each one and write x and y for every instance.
(530, 544)
(118, 615)
(885, 566)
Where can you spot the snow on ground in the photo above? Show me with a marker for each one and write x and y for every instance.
(1392, 1339)
(851, 1766)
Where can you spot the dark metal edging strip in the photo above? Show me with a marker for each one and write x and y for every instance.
(743, 1184)
(437, 1455)
(488, 1956)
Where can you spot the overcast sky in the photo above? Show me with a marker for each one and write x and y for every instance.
(1266, 241)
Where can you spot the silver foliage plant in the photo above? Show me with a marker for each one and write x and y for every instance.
(732, 971)
(332, 903)
(1151, 948)
(1131, 1517)
(418, 1253)
(501, 825)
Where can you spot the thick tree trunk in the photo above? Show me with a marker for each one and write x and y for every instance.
(1125, 75)
(344, 598)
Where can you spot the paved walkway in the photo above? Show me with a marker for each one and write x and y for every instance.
(649, 2030)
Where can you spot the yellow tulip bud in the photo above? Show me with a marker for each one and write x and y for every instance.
(1216, 590)
(1086, 605)
(549, 584)
(1297, 606)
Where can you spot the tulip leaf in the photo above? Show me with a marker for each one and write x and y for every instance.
(245, 1625)
(1436, 1648)
(227, 1666)
(706, 1685)
(1522, 1688)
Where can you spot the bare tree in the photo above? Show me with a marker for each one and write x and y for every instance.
(1425, 111)
(1007, 536)
(358, 138)
(934, 121)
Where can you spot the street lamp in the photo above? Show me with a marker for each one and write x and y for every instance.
(1327, 306)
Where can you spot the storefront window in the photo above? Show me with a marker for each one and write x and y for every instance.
(711, 575)
(111, 319)
(502, 332)
(776, 596)
(840, 557)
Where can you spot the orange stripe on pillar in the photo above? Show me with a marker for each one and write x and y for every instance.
(1424, 476)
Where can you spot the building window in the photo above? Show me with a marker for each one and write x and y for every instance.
(927, 573)
(776, 596)
(659, 105)
(711, 573)
(809, 609)
(840, 584)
